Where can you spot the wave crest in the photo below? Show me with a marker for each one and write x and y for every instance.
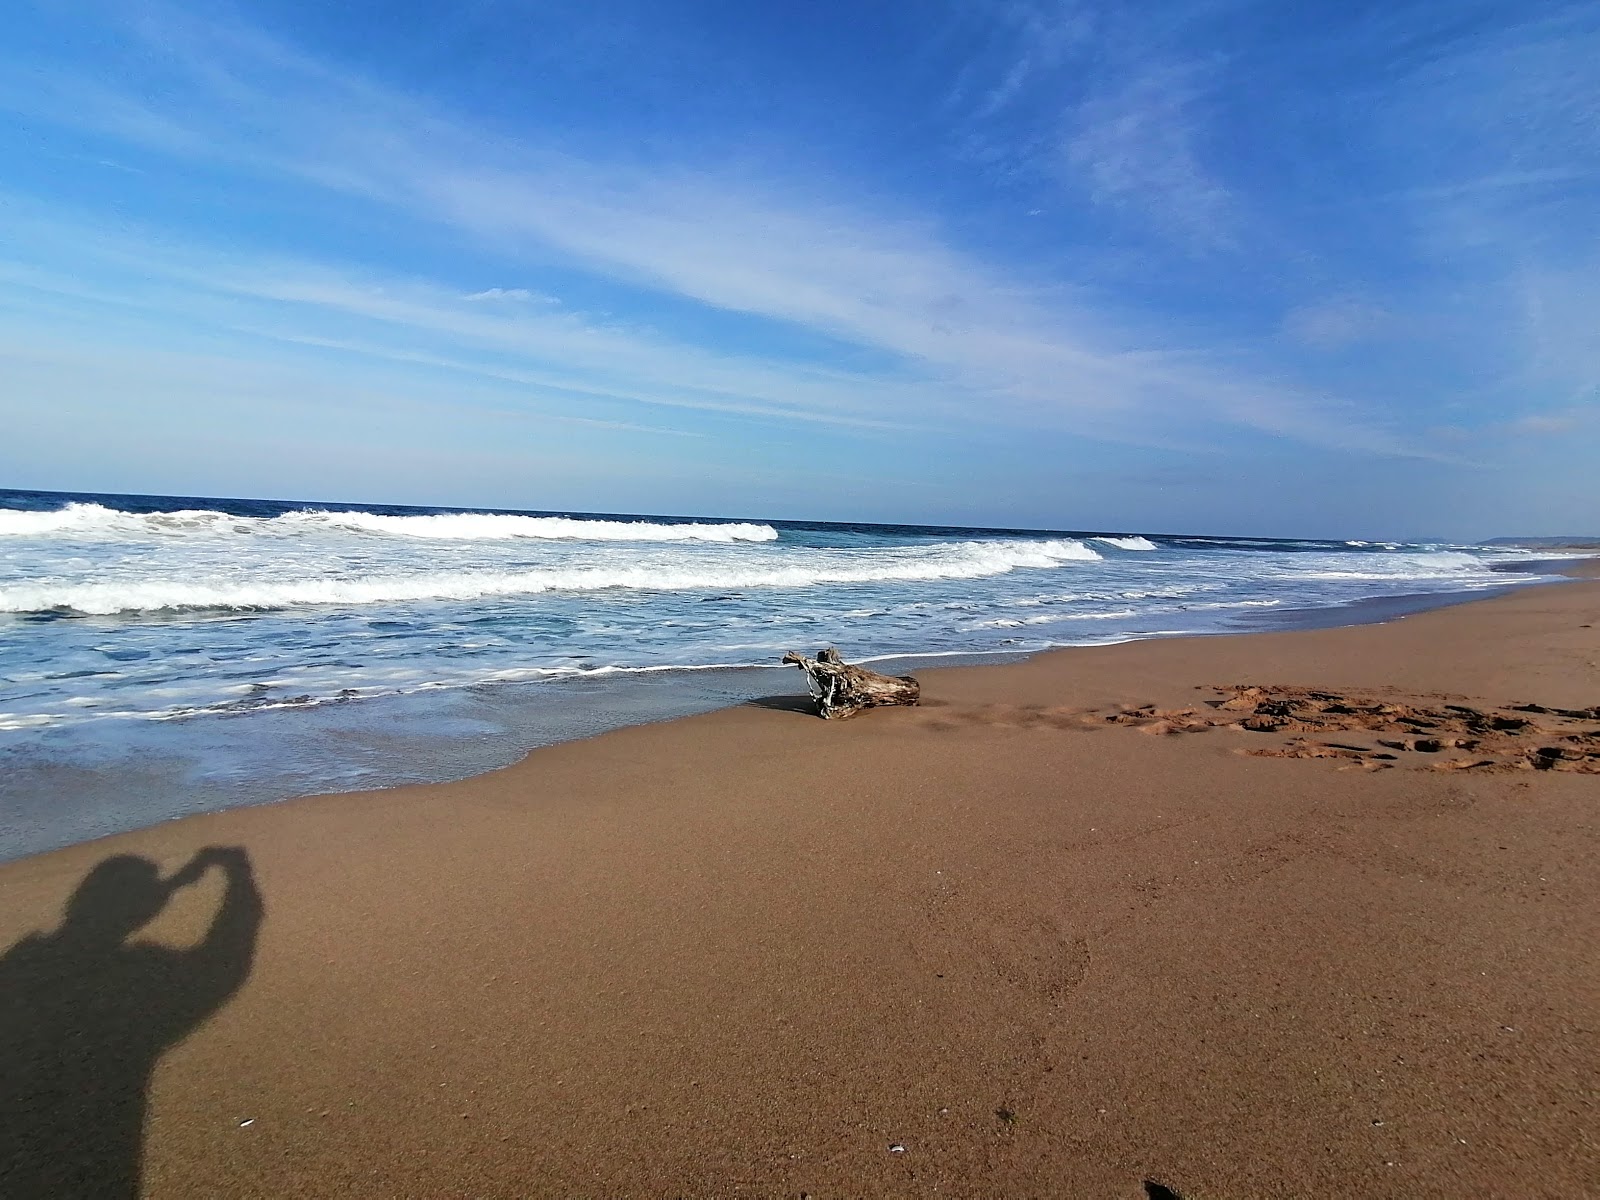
(478, 526)
(96, 520)
(1128, 543)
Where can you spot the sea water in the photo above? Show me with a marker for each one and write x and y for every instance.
(207, 652)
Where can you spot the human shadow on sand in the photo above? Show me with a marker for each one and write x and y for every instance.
(86, 1012)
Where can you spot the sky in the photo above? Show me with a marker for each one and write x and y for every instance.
(1321, 269)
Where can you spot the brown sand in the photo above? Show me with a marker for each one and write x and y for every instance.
(752, 952)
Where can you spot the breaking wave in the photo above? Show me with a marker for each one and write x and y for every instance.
(963, 560)
(1128, 543)
(97, 521)
(497, 525)
(1437, 564)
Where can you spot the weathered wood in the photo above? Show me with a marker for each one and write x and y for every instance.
(842, 690)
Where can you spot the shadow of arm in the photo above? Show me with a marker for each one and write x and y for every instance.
(216, 968)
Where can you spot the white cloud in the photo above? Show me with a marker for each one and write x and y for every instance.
(557, 354)
(500, 293)
(1043, 37)
(1102, 100)
(964, 340)
(1551, 423)
(1336, 323)
(1494, 136)
(1136, 146)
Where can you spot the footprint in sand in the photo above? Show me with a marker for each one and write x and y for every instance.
(1034, 956)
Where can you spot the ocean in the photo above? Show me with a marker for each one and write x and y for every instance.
(161, 655)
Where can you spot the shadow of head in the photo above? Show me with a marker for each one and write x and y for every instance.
(119, 897)
(1159, 1191)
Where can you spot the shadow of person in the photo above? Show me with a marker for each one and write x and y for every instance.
(85, 1014)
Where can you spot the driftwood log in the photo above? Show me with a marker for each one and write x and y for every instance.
(842, 690)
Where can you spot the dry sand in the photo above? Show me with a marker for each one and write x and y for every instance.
(998, 945)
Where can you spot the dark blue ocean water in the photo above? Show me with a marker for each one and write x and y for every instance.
(230, 651)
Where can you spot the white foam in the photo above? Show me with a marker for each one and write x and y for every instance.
(530, 674)
(963, 560)
(1439, 564)
(1230, 604)
(26, 720)
(984, 652)
(1128, 543)
(483, 526)
(1054, 619)
(98, 521)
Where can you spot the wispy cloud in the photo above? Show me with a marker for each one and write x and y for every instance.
(1336, 323)
(1492, 134)
(209, 374)
(554, 354)
(1041, 39)
(1549, 423)
(1101, 100)
(958, 339)
(1136, 145)
(500, 293)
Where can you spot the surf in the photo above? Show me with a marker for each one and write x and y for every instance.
(96, 521)
(971, 560)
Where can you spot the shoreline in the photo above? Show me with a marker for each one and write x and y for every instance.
(178, 769)
(751, 951)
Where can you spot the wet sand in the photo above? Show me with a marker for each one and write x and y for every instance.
(997, 945)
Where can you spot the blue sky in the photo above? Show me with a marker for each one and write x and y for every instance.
(1312, 269)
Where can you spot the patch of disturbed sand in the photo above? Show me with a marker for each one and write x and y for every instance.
(1370, 730)
(1448, 737)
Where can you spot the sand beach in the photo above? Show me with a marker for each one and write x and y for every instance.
(1065, 930)
(431, 436)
